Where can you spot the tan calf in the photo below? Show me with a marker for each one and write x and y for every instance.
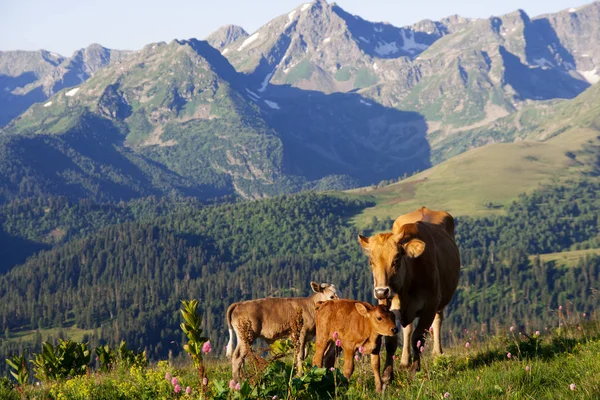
(271, 319)
(355, 324)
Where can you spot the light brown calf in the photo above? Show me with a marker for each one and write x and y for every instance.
(355, 324)
(271, 319)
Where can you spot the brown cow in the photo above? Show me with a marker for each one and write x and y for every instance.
(441, 218)
(271, 319)
(417, 267)
(356, 324)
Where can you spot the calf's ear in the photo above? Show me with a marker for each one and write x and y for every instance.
(364, 242)
(362, 310)
(414, 248)
(316, 287)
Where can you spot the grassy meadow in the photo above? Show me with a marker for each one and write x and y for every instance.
(501, 362)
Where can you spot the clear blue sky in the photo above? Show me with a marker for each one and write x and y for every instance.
(66, 25)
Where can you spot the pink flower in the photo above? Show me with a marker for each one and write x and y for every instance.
(361, 350)
(467, 345)
(584, 315)
(237, 386)
(96, 358)
(508, 355)
(431, 329)
(527, 368)
(332, 369)
(512, 328)
(394, 357)
(422, 348)
(204, 381)
(231, 384)
(177, 389)
(174, 381)
(419, 343)
(335, 335)
(274, 397)
(356, 357)
(167, 376)
(447, 395)
(206, 347)
(572, 386)
(338, 343)
(560, 307)
(188, 389)
(537, 333)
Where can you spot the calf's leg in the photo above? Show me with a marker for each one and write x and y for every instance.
(376, 365)
(348, 362)
(321, 344)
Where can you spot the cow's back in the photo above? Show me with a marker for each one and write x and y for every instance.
(272, 317)
(441, 218)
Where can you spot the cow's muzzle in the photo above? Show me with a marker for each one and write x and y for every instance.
(382, 292)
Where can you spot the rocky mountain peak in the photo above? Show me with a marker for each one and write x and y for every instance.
(225, 35)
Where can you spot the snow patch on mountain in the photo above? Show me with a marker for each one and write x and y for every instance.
(265, 82)
(273, 105)
(591, 76)
(363, 39)
(409, 43)
(366, 103)
(48, 104)
(248, 41)
(72, 92)
(384, 49)
(542, 62)
(305, 7)
(225, 51)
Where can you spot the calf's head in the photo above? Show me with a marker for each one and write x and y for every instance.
(382, 321)
(385, 251)
(323, 292)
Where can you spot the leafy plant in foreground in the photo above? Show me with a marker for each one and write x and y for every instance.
(20, 370)
(67, 359)
(197, 344)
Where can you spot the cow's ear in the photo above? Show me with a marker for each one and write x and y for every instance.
(362, 310)
(397, 237)
(316, 287)
(414, 248)
(364, 242)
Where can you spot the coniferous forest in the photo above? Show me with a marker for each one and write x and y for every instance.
(119, 270)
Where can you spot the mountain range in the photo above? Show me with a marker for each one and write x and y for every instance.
(317, 98)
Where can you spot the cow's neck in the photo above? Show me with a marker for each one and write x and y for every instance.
(403, 282)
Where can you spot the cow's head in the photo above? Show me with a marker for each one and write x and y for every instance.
(324, 291)
(381, 319)
(385, 251)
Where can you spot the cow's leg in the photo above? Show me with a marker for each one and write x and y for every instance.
(330, 356)
(376, 364)
(407, 332)
(437, 332)
(321, 344)
(418, 336)
(348, 362)
(300, 352)
(391, 345)
(237, 360)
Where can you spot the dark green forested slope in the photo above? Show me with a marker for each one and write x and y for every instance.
(126, 272)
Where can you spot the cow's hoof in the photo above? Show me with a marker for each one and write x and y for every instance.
(388, 374)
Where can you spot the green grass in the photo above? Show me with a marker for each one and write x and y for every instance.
(541, 366)
(567, 258)
(468, 183)
(71, 332)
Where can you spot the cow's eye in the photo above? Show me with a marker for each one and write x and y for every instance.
(331, 297)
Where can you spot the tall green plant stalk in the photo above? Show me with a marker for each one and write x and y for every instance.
(196, 342)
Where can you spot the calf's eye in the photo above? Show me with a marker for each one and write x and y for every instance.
(378, 318)
(331, 297)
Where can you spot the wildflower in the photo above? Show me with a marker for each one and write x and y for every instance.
(356, 357)
(584, 315)
(527, 368)
(431, 329)
(335, 336)
(332, 369)
(361, 350)
(274, 397)
(537, 333)
(338, 343)
(206, 347)
(174, 381)
(422, 348)
(394, 357)
(419, 343)
(205, 381)
(467, 345)
(560, 308)
(231, 384)
(508, 355)
(237, 386)
(188, 389)
(96, 358)
(579, 328)
(512, 328)
(572, 386)
(447, 395)
(177, 389)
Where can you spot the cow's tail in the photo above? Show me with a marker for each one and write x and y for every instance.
(229, 351)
